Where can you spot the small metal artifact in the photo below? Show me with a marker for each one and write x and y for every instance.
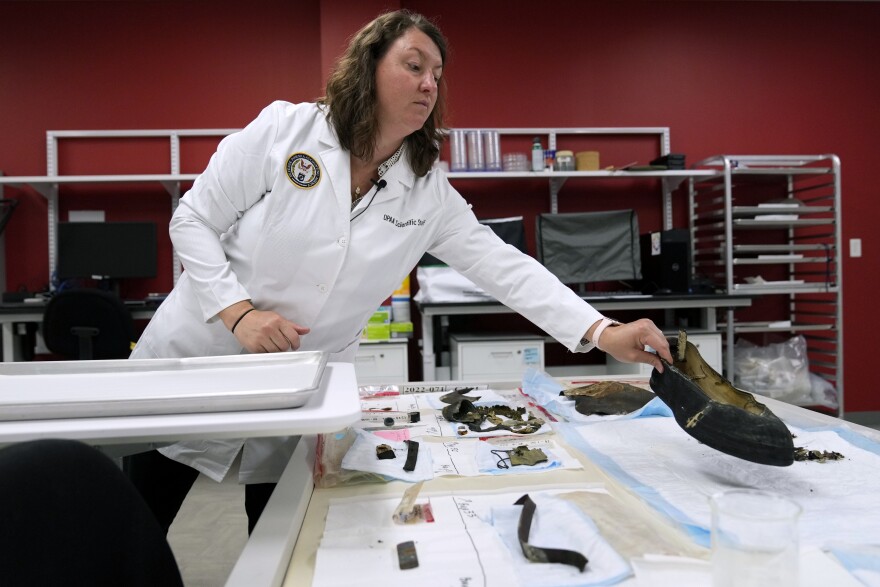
(521, 455)
(803, 454)
(458, 394)
(461, 409)
(608, 397)
(406, 555)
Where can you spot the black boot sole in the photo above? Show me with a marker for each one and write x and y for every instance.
(713, 411)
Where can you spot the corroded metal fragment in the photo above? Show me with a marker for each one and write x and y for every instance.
(521, 455)
(383, 452)
(406, 555)
(518, 420)
(803, 454)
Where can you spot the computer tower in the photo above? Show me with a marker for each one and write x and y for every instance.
(666, 267)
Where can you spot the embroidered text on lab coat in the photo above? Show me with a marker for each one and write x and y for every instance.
(399, 224)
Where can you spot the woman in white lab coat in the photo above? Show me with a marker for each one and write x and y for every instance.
(304, 222)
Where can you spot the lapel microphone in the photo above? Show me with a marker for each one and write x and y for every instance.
(378, 185)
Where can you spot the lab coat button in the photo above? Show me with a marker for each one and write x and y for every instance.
(342, 241)
(322, 288)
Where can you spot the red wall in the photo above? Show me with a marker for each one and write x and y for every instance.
(135, 65)
(726, 77)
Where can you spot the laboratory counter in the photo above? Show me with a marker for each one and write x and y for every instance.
(434, 312)
(643, 483)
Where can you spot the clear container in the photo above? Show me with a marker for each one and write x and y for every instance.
(516, 162)
(475, 155)
(564, 161)
(457, 151)
(754, 539)
(492, 150)
(537, 155)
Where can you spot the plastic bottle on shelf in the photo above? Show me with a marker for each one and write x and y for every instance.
(537, 155)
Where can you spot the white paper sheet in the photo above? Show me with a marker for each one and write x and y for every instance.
(676, 474)
(464, 458)
(432, 422)
(461, 546)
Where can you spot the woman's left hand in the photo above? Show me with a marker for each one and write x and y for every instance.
(627, 342)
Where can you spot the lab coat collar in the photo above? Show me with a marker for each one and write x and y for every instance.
(337, 166)
(336, 163)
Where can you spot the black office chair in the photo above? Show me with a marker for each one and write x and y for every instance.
(88, 324)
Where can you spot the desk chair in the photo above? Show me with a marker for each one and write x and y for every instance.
(88, 324)
(70, 517)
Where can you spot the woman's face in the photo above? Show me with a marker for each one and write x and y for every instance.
(406, 84)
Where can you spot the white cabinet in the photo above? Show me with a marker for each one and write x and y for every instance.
(382, 362)
(501, 357)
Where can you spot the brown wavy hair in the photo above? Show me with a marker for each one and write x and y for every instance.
(351, 90)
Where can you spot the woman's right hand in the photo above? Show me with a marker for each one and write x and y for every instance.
(267, 332)
(262, 331)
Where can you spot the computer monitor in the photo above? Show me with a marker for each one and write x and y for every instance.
(107, 250)
(590, 247)
(511, 230)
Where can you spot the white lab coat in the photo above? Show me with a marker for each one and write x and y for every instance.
(246, 230)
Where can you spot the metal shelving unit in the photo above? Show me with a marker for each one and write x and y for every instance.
(769, 226)
(670, 179)
(49, 185)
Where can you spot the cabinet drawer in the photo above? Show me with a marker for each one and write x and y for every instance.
(709, 346)
(502, 358)
(381, 363)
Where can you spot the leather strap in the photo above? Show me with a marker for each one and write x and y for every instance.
(536, 554)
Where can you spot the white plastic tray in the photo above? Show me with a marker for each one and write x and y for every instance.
(82, 389)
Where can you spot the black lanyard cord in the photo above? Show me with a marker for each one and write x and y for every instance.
(378, 185)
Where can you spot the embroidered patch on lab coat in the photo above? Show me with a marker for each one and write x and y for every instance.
(303, 170)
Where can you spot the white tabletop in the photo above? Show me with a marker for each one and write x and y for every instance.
(307, 525)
